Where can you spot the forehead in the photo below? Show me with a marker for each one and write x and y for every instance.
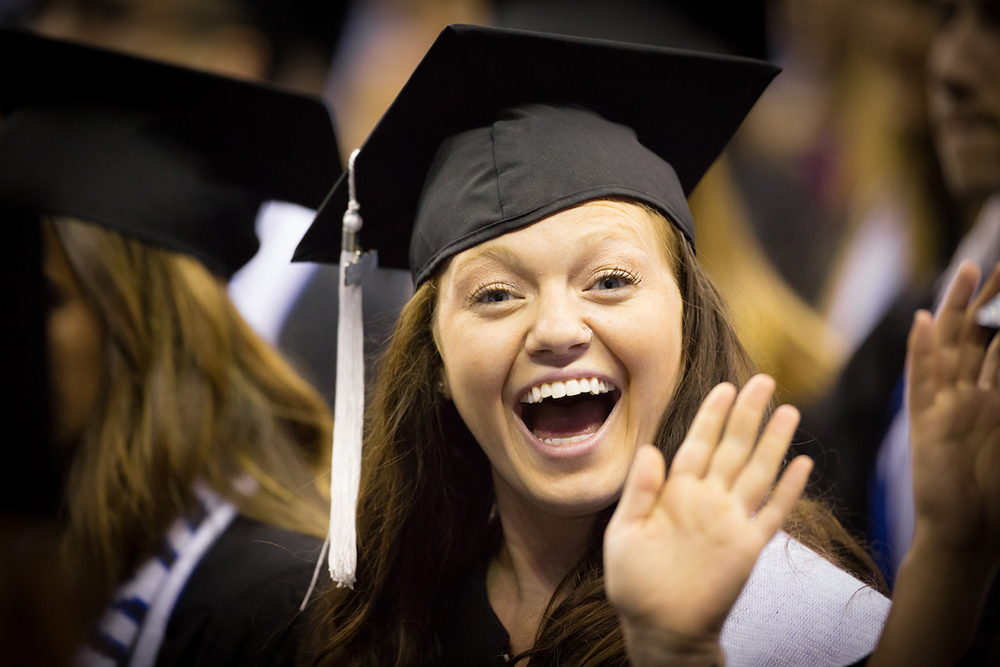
(608, 226)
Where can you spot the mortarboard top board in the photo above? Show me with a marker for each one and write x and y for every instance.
(683, 107)
(173, 156)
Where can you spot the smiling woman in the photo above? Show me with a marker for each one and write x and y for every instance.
(511, 508)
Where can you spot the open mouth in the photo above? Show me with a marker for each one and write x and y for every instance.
(562, 413)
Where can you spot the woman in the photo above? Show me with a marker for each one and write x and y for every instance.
(510, 509)
(190, 446)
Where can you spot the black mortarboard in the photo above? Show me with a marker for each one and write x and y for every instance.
(498, 128)
(172, 156)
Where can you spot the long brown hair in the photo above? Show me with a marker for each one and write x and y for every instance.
(426, 501)
(188, 392)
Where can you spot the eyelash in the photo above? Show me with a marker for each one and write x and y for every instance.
(625, 276)
(483, 291)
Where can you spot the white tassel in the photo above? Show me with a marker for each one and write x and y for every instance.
(349, 406)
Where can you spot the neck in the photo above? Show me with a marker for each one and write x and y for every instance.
(539, 549)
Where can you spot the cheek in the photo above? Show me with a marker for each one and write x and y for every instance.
(656, 365)
(76, 352)
(476, 363)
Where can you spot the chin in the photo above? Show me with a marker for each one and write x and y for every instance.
(971, 175)
(579, 498)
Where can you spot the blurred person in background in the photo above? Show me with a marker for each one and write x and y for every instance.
(963, 83)
(291, 44)
(862, 421)
(864, 408)
(836, 165)
(42, 614)
(190, 448)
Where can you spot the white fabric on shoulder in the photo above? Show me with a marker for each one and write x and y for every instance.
(798, 609)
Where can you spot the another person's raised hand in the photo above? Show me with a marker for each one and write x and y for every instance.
(954, 409)
(680, 547)
(954, 403)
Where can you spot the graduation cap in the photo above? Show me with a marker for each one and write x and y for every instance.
(495, 130)
(638, 121)
(175, 157)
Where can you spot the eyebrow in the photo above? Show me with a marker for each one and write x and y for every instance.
(493, 253)
(618, 240)
(486, 259)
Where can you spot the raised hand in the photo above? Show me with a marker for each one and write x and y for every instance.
(680, 547)
(954, 403)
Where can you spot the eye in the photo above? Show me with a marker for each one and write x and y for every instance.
(946, 11)
(615, 279)
(493, 293)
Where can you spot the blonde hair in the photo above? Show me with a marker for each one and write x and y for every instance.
(189, 392)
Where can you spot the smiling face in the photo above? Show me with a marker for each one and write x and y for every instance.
(965, 97)
(559, 411)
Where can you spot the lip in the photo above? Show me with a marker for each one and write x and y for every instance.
(946, 113)
(578, 449)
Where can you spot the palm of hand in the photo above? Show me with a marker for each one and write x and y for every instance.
(955, 422)
(703, 535)
(679, 549)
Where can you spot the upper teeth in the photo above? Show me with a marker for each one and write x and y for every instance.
(567, 388)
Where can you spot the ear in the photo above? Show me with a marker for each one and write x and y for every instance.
(442, 384)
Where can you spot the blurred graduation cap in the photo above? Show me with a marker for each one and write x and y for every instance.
(495, 130)
(172, 156)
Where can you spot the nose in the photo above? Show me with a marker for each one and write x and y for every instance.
(952, 62)
(559, 332)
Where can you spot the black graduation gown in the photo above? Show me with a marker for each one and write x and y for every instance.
(241, 604)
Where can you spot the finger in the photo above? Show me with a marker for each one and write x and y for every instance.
(642, 486)
(990, 288)
(694, 454)
(950, 320)
(788, 491)
(757, 476)
(741, 429)
(921, 366)
(989, 375)
(975, 337)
